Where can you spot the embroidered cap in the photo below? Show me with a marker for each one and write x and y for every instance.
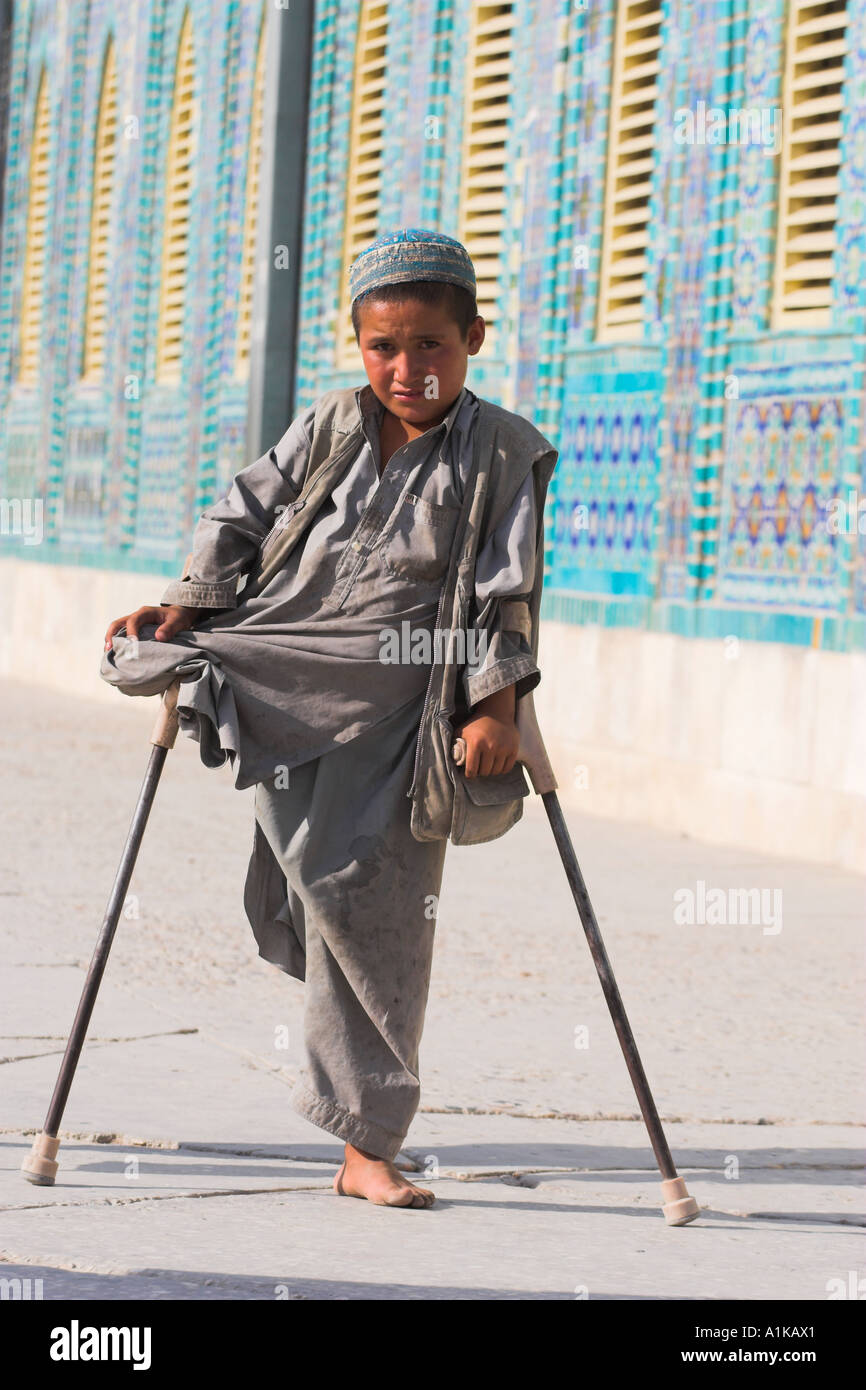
(412, 253)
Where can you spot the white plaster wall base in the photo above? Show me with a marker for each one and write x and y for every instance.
(754, 744)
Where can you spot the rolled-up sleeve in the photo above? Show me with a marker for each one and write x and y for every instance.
(499, 651)
(229, 534)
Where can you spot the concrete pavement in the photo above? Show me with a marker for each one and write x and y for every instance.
(185, 1174)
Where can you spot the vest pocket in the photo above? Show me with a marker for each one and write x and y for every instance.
(482, 808)
(485, 807)
(417, 546)
(498, 787)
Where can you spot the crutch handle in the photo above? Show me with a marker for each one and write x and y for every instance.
(165, 728)
(531, 750)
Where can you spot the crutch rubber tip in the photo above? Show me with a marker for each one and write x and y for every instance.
(679, 1208)
(40, 1166)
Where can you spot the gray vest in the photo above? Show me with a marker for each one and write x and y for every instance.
(445, 804)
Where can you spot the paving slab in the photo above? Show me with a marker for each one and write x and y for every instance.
(185, 1173)
(484, 1239)
(530, 1204)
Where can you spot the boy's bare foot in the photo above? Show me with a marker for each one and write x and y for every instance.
(362, 1174)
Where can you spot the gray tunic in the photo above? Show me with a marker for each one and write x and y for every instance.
(291, 683)
(303, 667)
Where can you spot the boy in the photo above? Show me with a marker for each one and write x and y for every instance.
(382, 510)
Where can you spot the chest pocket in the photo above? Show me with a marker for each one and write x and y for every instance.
(418, 544)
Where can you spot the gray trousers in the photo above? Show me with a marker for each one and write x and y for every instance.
(362, 897)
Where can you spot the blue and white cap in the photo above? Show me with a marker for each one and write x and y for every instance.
(412, 253)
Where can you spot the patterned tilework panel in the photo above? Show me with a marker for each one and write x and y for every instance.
(783, 459)
(754, 249)
(604, 505)
(531, 305)
(586, 147)
(688, 311)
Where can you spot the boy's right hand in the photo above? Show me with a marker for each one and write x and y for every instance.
(172, 618)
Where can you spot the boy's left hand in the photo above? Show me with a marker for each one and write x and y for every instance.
(491, 736)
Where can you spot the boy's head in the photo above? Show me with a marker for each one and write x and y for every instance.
(416, 321)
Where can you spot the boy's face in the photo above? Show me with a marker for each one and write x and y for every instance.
(415, 358)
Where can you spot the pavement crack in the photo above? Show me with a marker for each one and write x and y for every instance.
(599, 1116)
(169, 1197)
(816, 1218)
(270, 1153)
(88, 1042)
(61, 1037)
(44, 964)
(218, 1150)
(99, 1137)
(133, 1141)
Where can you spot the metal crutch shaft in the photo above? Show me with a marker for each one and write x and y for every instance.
(40, 1165)
(679, 1208)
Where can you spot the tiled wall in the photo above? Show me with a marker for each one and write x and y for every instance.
(124, 468)
(697, 464)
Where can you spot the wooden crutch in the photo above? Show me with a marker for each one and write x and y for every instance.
(40, 1165)
(678, 1207)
